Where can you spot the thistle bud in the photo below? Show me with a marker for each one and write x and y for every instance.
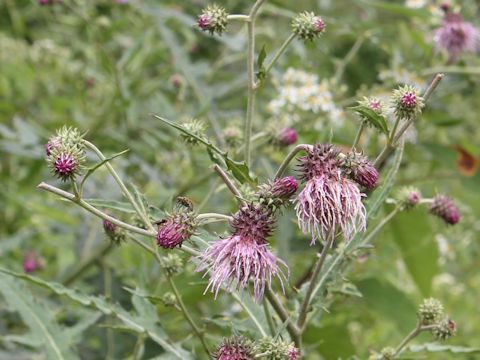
(387, 353)
(31, 262)
(430, 311)
(409, 197)
(278, 192)
(197, 128)
(233, 136)
(213, 19)
(66, 162)
(53, 143)
(234, 348)
(445, 208)
(277, 349)
(407, 103)
(287, 136)
(178, 226)
(169, 299)
(307, 26)
(172, 264)
(113, 232)
(373, 103)
(360, 170)
(445, 329)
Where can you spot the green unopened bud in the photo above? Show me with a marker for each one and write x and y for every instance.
(387, 353)
(430, 311)
(408, 197)
(407, 103)
(169, 299)
(277, 349)
(213, 19)
(195, 127)
(172, 264)
(307, 26)
(114, 233)
(445, 329)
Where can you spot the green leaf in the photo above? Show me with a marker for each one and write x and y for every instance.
(436, 347)
(413, 235)
(372, 117)
(112, 204)
(136, 323)
(43, 326)
(238, 169)
(262, 55)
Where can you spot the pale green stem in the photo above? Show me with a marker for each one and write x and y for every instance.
(316, 271)
(230, 185)
(187, 315)
(68, 196)
(358, 135)
(107, 284)
(238, 17)
(290, 156)
(206, 216)
(283, 314)
(381, 224)
(349, 57)
(122, 186)
(268, 315)
(414, 333)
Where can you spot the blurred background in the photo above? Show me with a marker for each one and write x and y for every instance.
(106, 66)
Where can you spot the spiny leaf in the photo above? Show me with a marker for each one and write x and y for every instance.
(372, 117)
(135, 323)
(39, 319)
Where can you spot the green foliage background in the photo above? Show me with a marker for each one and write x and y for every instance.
(105, 68)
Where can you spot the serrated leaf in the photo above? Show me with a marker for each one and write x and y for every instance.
(38, 318)
(238, 169)
(372, 117)
(136, 323)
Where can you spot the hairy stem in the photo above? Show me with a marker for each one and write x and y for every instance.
(122, 186)
(187, 315)
(290, 156)
(230, 185)
(316, 271)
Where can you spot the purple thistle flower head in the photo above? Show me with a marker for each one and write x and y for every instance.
(53, 143)
(457, 36)
(65, 166)
(361, 170)
(376, 105)
(174, 230)
(318, 24)
(444, 207)
(284, 188)
(293, 353)
(234, 348)
(244, 256)
(409, 100)
(213, 19)
(30, 262)
(109, 227)
(204, 21)
(287, 136)
(328, 200)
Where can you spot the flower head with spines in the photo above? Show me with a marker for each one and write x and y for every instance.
(213, 19)
(308, 26)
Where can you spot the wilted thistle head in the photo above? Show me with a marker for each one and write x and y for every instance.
(444, 207)
(430, 311)
(277, 349)
(360, 170)
(235, 348)
(114, 233)
(329, 200)
(243, 256)
(308, 26)
(406, 102)
(178, 226)
(457, 36)
(445, 329)
(277, 192)
(408, 197)
(172, 264)
(213, 19)
(197, 128)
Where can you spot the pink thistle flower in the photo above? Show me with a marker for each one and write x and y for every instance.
(204, 22)
(234, 348)
(243, 256)
(409, 100)
(376, 105)
(328, 200)
(284, 188)
(456, 36)
(293, 353)
(174, 230)
(287, 136)
(65, 166)
(444, 207)
(30, 262)
(53, 143)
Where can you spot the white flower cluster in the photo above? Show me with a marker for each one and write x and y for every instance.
(299, 90)
(416, 4)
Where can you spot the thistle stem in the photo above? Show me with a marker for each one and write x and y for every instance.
(358, 135)
(206, 216)
(316, 271)
(230, 185)
(187, 315)
(122, 186)
(282, 313)
(251, 77)
(290, 156)
(238, 17)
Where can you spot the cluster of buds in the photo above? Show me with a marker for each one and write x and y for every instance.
(172, 264)
(66, 153)
(241, 348)
(195, 127)
(431, 312)
(114, 233)
(307, 26)
(444, 207)
(407, 102)
(278, 192)
(408, 197)
(360, 169)
(213, 19)
(285, 137)
(179, 226)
